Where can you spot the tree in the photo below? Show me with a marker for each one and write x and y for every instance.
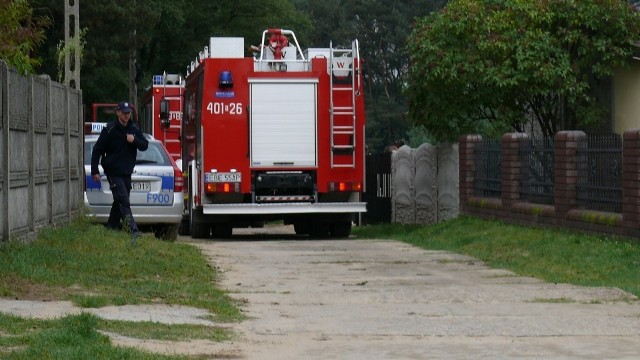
(20, 34)
(382, 28)
(169, 35)
(484, 66)
(185, 28)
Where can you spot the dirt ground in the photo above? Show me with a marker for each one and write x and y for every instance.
(366, 299)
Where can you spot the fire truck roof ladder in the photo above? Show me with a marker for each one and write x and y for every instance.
(344, 68)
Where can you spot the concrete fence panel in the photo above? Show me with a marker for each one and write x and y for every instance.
(4, 152)
(402, 190)
(426, 184)
(20, 154)
(41, 151)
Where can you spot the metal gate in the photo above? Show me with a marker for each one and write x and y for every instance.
(378, 189)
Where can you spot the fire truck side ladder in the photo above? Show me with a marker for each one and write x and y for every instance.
(343, 117)
(175, 80)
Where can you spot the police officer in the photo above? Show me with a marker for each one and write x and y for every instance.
(118, 146)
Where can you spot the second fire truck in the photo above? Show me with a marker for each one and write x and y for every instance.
(274, 136)
(161, 111)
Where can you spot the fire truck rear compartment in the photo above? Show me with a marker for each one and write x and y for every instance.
(283, 186)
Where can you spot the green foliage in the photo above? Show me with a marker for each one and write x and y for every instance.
(385, 123)
(76, 46)
(20, 33)
(382, 28)
(170, 33)
(552, 255)
(418, 135)
(486, 66)
(197, 21)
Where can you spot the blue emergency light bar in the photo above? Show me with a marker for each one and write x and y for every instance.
(158, 79)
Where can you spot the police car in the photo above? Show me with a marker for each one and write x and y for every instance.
(156, 188)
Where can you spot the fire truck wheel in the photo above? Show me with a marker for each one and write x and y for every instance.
(301, 228)
(319, 229)
(341, 229)
(221, 231)
(184, 227)
(199, 230)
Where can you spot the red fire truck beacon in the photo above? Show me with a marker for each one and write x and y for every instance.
(275, 136)
(161, 111)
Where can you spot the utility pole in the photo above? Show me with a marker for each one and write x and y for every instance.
(72, 36)
(133, 87)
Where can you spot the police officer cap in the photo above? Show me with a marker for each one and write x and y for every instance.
(124, 106)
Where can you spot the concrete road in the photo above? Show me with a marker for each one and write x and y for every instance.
(369, 299)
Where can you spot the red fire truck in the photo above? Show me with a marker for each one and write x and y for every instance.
(274, 136)
(161, 111)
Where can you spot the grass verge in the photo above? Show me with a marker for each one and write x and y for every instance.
(70, 337)
(553, 255)
(95, 267)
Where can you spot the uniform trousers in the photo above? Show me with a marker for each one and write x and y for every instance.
(121, 207)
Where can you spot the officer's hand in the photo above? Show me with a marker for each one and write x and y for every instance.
(96, 177)
(130, 138)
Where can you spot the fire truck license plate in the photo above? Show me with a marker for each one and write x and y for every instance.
(140, 186)
(223, 177)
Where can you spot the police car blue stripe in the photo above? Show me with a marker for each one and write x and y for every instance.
(167, 183)
(92, 185)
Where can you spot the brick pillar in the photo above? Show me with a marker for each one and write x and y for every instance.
(631, 178)
(510, 162)
(566, 171)
(467, 168)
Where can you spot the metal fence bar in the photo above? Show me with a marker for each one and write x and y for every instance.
(488, 177)
(537, 171)
(599, 183)
(378, 188)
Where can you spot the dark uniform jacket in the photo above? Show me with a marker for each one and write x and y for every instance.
(118, 156)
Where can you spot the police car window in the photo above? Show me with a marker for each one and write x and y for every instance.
(153, 155)
(88, 148)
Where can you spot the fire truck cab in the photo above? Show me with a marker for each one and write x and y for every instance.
(278, 135)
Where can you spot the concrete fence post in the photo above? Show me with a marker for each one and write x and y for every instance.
(448, 184)
(31, 146)
(50, 155)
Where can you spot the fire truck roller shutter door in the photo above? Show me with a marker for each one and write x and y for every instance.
(283, 123)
